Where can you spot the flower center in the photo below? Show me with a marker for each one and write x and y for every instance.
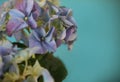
(42, 38)
(26, 18)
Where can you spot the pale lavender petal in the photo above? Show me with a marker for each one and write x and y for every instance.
(14, 25)
(35, 43)
(47, 76)
(63, 11)
(16, 13)
(7, 58)
(2, 18)
(69, 33)
(40, 32)
(72, 20)
(29, 6)
(67, 22)
(51, 46)
(32, 22)
(4, 51)
(72, 37)
(50, 34)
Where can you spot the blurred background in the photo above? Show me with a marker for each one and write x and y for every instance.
(95, 56)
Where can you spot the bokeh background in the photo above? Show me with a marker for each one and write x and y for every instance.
(96, 53)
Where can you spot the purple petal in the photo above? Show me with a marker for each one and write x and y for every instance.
(51, 46)
(40, 32)
(29, 6)
(14, 25)
(32, 22)
(24, 6)
(50, 34)
(36, 11)
(35, 43)
(70, 34)
(20, 5)
(58, 42)
(64, 11)
(4, 51)
(16, 13)
(72, 37)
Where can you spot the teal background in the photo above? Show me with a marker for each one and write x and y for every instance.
(96, 53)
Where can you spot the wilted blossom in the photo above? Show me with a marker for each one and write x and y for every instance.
(44, 41)
(21, 16)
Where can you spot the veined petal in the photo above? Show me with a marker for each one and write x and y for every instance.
(67, 22)
(15, 24)
(32, 22)
(70, 34)
(51, 46)
(35, 43)
(40, 32)
(20, 5)
(50, 34)
(29, 6)
(16, 13)
(36, 12)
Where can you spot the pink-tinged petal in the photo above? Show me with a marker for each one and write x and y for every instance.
(59, 42)
(51, 46)
(72, 37)
(50, 34)
(29, 6)
(32, 23)
(70, 34)
(16, 13)
(15, 25)
(20, 5)
(36, 11)
(24, 6)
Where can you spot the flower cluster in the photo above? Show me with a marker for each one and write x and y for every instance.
(41, 26)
